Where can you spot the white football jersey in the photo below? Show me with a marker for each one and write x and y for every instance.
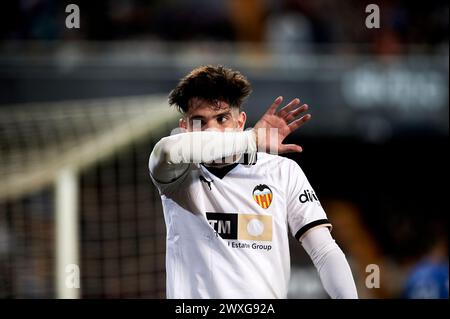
(227, 236)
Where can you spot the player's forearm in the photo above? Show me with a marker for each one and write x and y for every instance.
(172, 154)
(330, 261)
(336, 275)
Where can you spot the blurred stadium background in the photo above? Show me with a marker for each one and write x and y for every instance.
(80, 110)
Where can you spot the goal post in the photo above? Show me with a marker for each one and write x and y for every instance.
(66, 235)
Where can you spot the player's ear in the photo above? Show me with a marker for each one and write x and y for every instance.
(182, 123)
(241, 120)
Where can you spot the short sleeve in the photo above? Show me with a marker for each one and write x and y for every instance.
(304, 210)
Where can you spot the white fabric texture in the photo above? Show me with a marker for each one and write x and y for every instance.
(330, 262)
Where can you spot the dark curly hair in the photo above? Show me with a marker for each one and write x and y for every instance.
(212, 84)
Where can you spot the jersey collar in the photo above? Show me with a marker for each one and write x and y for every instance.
(220, 172)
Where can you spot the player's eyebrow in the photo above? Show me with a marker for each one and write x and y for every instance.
(197, 117)
(200, 117)
(222, 114)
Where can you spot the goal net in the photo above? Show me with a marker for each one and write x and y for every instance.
(79, 216)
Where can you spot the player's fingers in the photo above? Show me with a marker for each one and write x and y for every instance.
(271, 110)
(299, 122)
(289, 148)
(293, 114)
(285, 110)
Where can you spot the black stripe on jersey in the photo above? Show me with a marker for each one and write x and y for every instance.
(220, 172)
(307, 227)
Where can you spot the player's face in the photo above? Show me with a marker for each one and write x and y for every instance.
(203, 115)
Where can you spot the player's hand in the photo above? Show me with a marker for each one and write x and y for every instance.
(285, 121)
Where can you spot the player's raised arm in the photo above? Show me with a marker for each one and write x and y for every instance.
(171, 155)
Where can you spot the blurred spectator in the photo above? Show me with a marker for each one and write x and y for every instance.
(248, 19)
(288, 29)
(178, 20)
(428, 279)
(315, 22)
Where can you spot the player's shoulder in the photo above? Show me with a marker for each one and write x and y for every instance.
(280, 169)
(272, 160)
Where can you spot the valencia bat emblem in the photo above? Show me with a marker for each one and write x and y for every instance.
(262, 195)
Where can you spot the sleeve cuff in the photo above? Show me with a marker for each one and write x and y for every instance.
(307, 227)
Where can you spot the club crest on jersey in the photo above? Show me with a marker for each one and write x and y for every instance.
(262, 195)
